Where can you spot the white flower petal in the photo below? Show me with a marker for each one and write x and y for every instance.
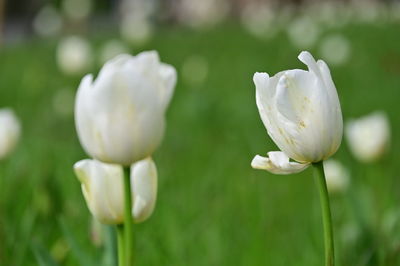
(10, 131)
(277, 163)
(102, 187)
(169, 76)
(301, 105)
(306, 58)
(265, 98)
(144, 187)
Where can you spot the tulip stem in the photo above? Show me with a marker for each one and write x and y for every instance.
(128, 220)
(121, 246)
(319, 176)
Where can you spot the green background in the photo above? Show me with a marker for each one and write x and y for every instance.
(212, 208)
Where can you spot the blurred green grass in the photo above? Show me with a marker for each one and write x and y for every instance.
(213, 208)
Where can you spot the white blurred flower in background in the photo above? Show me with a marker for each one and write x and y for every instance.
(111, 49)
(303, 32)
(367, 11)
(394, 11)
(260, 20)
(194, 70)
(337, 176)
(136, 27)
(10, 130)
(330, 14)
(335, 49)
(102, 187)
(141, 9)
(63, 102)
(77, 9)
(74, 55)
(204, 13)
(369, 136)
(47, 22)
(136, 31)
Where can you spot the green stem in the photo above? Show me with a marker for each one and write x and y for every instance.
(128, 220)
(319, 176)
(121, 246)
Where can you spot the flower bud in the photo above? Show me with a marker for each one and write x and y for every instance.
(120, 116)
(301, 112)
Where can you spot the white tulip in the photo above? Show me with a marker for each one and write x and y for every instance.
(10, 130)
(337, 176)
(302, 114)
(102, 187)
(369, 136)
(120, 116)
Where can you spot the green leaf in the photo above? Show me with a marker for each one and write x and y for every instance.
(42, 256)
(76, 249)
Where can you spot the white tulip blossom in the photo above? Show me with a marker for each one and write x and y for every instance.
(10, 130)
(120, 116)
(337, 176)
(368, 136)
(102, 187)
(301, 112)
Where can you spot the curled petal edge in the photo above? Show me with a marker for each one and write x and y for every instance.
(277, 163)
